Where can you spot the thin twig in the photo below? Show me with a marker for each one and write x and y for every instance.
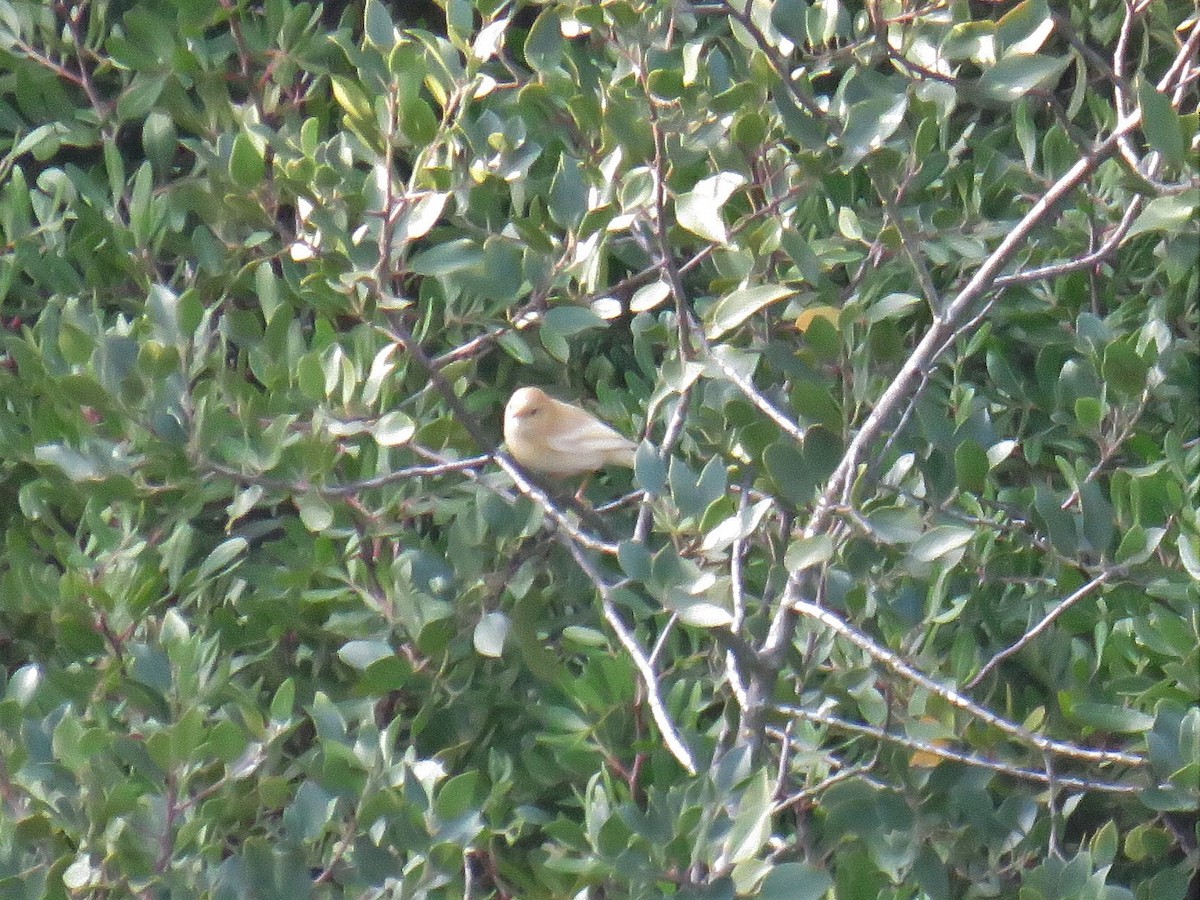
(563, 522)
(737, 575)
(959, 756)
(945, 324)
(650, 683)
(908, 672)
(1046, 621)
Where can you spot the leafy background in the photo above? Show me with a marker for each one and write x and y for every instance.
(900, 599)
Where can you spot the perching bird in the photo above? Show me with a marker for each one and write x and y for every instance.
(556, 438)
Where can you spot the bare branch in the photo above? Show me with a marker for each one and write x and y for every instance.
(908, 672)
(612, 616)
(1041, 626)
(950, 755)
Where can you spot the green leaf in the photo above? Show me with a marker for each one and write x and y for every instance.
(310, 376)
(359, 655)
(805, 129)
(75, 465)
(823, 450)
(636, 560)
(1104, 844)
(1124, 369)
(545, 45)
(666, 83)
(284, 701)
(699, 210)
(999, 452)
(1098, 516)
(869, 124)
(585, 637)
(1138, 545)
(803, 256)
(752, 821)
(1167, 214)
(945, 542)
(571, 320)
(692, 495)
(971, 466)
(1089, 413)
(23, 684)
(141, 95)
(1012, 77)
(1170, 799)
(351, 98)
(1060, 524)
(488, 41)
(393, 429)
(315, 512)
(794, 881)
(1188, 544)
(698, 613)
(222, 558)
(893, 306)
(793, 477)
(735, 527)
(307, 817)
(418, 122)
(460, 796)
(448, 258)
(490, 633)
(649, 469)
(563, 322)
(1147, 841)
(516, 347)
(896, 525)
(788, 17)
(808, 552)
(419, 217)
(378, 27)
(1026, 133)
(556, 345)
(75, 344)
(1024, 28)
(141, 205)
(1108, 717)
(1161, 124)
(969, 40)
(849, 225)
(735, 308)
(80, 874)
(246, 166)
(568, 193)
(648, 296)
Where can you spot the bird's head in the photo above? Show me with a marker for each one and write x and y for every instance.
(526, 403)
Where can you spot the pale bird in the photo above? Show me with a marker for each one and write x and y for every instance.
(557, 438)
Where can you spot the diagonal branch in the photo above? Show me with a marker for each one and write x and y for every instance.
(641, 661)
(946, 753)
(909, 673)
(925, 355)
(1041, 626)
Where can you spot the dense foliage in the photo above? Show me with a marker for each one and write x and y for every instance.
(900, 598)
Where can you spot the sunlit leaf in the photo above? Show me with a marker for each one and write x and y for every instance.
(699, 210)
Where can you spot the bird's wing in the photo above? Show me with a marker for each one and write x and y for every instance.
(588, 435)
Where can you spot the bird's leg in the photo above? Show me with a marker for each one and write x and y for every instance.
(580, 496)
(560, 494)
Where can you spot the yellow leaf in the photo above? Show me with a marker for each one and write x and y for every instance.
(829, 313)
(927, 759)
